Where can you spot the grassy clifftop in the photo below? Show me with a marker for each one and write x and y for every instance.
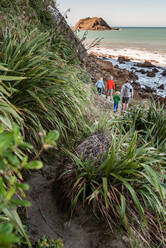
(49, 89)
(30, 10)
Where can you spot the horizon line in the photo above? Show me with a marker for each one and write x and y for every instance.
(133, 26)
(139, 26)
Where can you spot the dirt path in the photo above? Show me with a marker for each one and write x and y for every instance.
(45, 219)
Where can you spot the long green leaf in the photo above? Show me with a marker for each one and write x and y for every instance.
(11, 78)
(105, 190)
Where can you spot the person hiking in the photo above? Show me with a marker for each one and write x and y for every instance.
(110, 86)
(116, 98)
(126, 93)
(100, 85)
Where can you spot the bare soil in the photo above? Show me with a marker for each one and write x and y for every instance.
(46, 219)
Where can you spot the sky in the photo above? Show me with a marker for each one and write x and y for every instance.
(117, 12)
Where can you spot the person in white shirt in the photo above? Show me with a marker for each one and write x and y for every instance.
(126, 93)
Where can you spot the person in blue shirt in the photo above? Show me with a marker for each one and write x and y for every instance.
(100, 85)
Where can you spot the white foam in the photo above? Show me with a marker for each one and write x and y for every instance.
(134, 54)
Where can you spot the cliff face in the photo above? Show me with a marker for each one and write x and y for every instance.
(94, 23)
(62, 26)
(43, 15)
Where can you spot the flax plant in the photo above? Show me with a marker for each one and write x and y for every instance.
(126, 188)
(40, 91)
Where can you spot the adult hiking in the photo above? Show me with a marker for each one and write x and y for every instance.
(126, 94)
(110, 86)
(100, 86)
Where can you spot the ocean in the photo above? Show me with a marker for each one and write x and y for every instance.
(136, 43)
(133, 37)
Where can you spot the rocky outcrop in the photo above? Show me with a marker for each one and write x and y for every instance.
(161, 87)
(142, 71)
(94, 23)
(98, 67)
(123, 59)
(155, 70)
(146, 64)
(105, 65)
(151, 74)
(164, 73)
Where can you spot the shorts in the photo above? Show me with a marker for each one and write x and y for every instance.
(125, 99)
(109, 91)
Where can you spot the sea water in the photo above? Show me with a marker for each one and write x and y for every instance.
(152, 39)
(138, 44)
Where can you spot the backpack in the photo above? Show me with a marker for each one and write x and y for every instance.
(127, 91)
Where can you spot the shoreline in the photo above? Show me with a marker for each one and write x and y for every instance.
(149, 71)
(129, 45)
(134, 54)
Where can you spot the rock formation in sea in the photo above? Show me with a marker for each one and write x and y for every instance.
(92, 23)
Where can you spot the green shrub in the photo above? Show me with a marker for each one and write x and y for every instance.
(44, 16)
(149, 122)
(12, 195)
(63, 49)
(128, 187)
(48, 95)
(5, 3)
(12, 161)
(45, 242)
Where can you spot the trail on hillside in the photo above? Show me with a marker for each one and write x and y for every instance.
(46, 218)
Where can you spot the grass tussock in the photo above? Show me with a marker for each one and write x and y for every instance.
(39, 90)
(128, 186)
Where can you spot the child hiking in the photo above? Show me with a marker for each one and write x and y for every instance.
(116, 98)
(100, 86)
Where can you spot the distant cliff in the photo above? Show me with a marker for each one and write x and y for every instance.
(92, 23)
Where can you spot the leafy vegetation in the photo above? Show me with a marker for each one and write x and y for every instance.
(43, 15)
(128, 186)
(53, 95)
(33, 9)
(45, 242)
(12, 161)
(149, 122)
(42, 90)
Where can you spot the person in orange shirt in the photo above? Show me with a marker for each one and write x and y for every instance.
(110, 86)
